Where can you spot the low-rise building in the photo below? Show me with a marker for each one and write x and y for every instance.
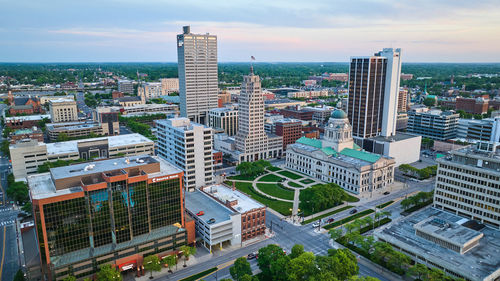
(477, 105)
(282, 103)
(336, 158)
(114, 211)
(25, 122)
(308, 94)
(126, 86)
(27, 156)
(320, 113)
(458, 246)
(483, 130)
(72, 130)
(297, 113)
(289, 129)
(25, 134)
(149, 90)
(130, 101)
(434, 124)
(169, 109)
(63, 110)
(225, 118)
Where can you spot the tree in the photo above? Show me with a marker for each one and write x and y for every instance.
(362, 278)
(302, 267)
(187, 252)
(430, 102)
(170, 261)
(5, 148)
(27, 208)
(19, 276)
(240, 268)
(297, 250)
(62, 137)
(108, 273)
(321, 197)
(434, 275)
(152, 263)
(335, 233)
(339, 263)
(18, 191)
(278, 268)
(69, 278)
(418, 270)
(266, 256)
(405, 203)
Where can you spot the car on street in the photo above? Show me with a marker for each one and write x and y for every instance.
(316, 224)
(353, 211)
(330, 220)
(200, 213)
(251, 256)
(210, 221)
(387, 193)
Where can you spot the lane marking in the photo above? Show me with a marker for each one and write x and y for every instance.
(3, 250)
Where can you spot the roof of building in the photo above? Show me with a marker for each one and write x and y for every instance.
(22, 107)
(127, 99)
(225, 193)
(339, 114)
(197, 201)
(23, 100)
(362, 155)
(397, 137)
(26, 131)
(72, 126)
(311, 142)
(27, 118)
(447, 230)
(476, 264)
(329, 151)
(62, 100)
(42, 185)
(113, 141)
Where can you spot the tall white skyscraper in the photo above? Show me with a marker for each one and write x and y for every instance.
(373, 93)
(198, 82)
(252, 140)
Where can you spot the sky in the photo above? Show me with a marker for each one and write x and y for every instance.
(270, 30)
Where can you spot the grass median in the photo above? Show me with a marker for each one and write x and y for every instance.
(274, 169)
(199, 275)
(381, 206)
(327, 214)
(270, 178)
(349, 219)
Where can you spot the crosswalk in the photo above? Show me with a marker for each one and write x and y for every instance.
(9, 222)
(5, 210)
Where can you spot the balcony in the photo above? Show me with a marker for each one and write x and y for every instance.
(114, 176)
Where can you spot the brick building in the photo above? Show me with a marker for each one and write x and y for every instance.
(289, 129)
(477, 105)
(297, 113)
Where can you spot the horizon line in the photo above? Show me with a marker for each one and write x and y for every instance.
(171, 62)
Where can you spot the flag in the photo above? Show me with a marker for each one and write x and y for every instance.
(252, 57)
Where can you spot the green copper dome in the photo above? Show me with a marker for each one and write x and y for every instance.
(338, 114)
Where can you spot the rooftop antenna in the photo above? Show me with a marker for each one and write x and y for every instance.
(252, 58)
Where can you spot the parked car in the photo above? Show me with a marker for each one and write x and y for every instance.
(210, 221)
(353, 211)
(251, 256)
(387, 193)
(200, 213)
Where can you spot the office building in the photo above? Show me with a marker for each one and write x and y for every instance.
(297, 113)
(27, 156)
(126, 86)
(236, 217)
(283, 103)
(70, 130)
(477, 105)
(289, 129)
(483, 130)
(63, 110)
(373, 93)
(149, 90)
(108, 118)
(320, 113)
(225, 118)
(114, 211)
(25, 134)
(468, 183)
(402, 100)
(434, 124)
(460, 247)
(198, 80)
(251, 140)
(188, 146)
(169, 86)
(308, 94)
(224, 97)
(336, 158)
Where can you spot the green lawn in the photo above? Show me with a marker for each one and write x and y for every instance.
(290, 175)
(276, 191)
(351, 198)
(326, 215)
(307, 181)
(270, 178)
(274, 169)
(242, 177)
(279, 206)
(349, 219)
(291, 183)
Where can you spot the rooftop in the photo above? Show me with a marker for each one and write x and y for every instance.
(198, 201)
(447, 230)
(27, 118)
(397, 137)
(225, 193)
(113, 141)
(72, 125)
(476, 264)
(61, 100)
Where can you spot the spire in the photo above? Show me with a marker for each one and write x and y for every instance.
(252, 58)
(251, 69)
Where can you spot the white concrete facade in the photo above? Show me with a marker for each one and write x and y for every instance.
(63, 110)
(188, 146)
(198, 80)
(169, 85)
(149, 90)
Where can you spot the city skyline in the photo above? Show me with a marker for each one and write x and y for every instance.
(129, 31)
